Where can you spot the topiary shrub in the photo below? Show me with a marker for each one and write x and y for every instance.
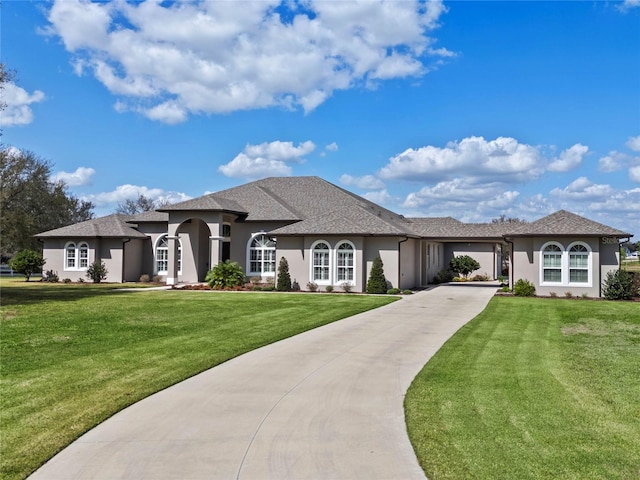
(443, 276)
(328, 288)
(393, 291)
(225, 274)
(27, 262)
(524, 288)
(463, 265)
(377, 283)
(618, 285)
(284, 279)
(312, 286)
(145, 278)
(97, 271)
(407, 292)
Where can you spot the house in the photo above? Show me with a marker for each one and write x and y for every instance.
(329, 236)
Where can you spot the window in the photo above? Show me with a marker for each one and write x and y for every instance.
(162, 256)
(320, 262)
(552, 264)
(262, 255)
(70, 263)
(566, 267)
(76, 256)
(578, 264)
(345, 263)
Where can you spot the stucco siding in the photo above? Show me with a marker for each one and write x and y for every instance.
(483, 253)
(387, 249)
(133, 258)
(409, 264)
(528, 264)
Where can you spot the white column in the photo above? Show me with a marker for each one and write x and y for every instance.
(216, 250)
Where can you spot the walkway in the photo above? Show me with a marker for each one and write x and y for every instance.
(324, 404)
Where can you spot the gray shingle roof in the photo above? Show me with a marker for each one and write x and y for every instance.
(450, 228)
(149, 217)
(114, 226)
(565, 223)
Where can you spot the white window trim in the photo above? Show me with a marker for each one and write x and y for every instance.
(248, 268)
(311, 264)
(155, 256)
(77, 246)
(565, 266)
(589, 283)
(337, 267)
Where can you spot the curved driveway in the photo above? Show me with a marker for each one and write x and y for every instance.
(324, 404)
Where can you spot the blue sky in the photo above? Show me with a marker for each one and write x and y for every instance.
(469, 109)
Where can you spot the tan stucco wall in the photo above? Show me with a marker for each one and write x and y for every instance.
(432, 259)
(527, 264)
(387, 248)
(133, 259)
(483, 253)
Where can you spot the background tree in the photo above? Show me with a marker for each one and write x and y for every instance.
(284, 279)
(464, 265)
(504, 219)
(31, 203)
(139, 205)
(27, 262)
(377, 283)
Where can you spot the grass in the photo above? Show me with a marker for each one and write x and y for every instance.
(533, 389)
(73, 355)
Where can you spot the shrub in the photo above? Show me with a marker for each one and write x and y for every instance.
(97, 271)
(256, 288)
(459, 279)
(553, 294)
(346, 287)
(585, 296)
(157, 279)
(268, 288)
(27, 262)
(568, 294)
(443, 276)
(524, 288)
(505, 289)
(67, 280)
(328, 288)
(50, 276)
(480, 278)
(407, 292)
(393, 291)
(80, 280)
(463, 265)
(295, 286)
(377, 283)
(312, 286)
(225, 274)
(255, 280)
(618, 285)
(145, 278)
(502, 279)
(284, 279)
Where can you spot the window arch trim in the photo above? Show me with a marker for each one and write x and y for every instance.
(345, 270)
(261, 255)
(575, 265)
(161, 255)
(76, 256)
(321, 265)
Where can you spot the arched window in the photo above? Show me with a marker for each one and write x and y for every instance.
(552, 263)
(162, 255)
(76, 256)
(83, 255)
(262, 255)
(70, 256)
(345, 262)
(579, 263)
(320, 263)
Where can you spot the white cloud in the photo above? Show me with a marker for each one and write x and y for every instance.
(266, 159)
(634, 142)
(613, 162)
(582, 189)
(82, 176)
(381, 197)
(367, 182)
(634, 173)
(18, 101)
(173, 59)
(131, 192)
(569, 159)
(503, 158)
(332, 147)
(628, 5)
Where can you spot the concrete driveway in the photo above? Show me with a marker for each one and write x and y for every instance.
(324, 404)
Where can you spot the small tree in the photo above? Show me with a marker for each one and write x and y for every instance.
(463, 265)
(97, 271)
(284, 279)
(226, 274)
(377, 283)
(27, 262)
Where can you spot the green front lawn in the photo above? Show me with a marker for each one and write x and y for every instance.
(73, 355)
(533, 389)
